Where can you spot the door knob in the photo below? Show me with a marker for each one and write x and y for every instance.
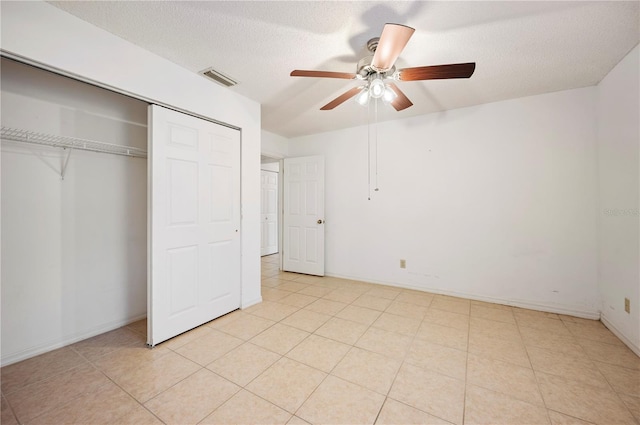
(320, 221)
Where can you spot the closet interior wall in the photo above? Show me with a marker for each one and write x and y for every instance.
(74, 250)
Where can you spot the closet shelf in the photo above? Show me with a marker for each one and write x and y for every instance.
(33, 137)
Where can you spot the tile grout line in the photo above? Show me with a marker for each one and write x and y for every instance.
(108, 378)
(50, 376)
(323, 379)
(329, 374)
(254, 394)
(546, 408)
(371, 326)
(53, 376)
(241, 387)
(244, 387)
(402, 362)
(615, 392)
(11, 409)
(590, 360)
(141, 404)
(466, 370)
(284, 356)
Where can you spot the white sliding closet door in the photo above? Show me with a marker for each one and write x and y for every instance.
(194, 248)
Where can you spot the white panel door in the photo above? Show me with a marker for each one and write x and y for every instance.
(303, 222)
(269, 207)
(194, 219)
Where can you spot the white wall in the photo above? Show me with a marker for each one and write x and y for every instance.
(274, 145)
(44, 34)
(619, 188)
(493, 202)
(270, 166)
(73, 250)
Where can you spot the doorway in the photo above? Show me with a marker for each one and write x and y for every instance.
(269, 202)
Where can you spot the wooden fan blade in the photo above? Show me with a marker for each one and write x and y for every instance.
(437, 72)
(392, 41)
(323, 74)
(340, 99)
(402, 101)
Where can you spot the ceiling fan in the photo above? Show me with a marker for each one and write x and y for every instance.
(378, 70)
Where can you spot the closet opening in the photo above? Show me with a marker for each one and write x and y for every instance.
(99, 230)
(74, 210)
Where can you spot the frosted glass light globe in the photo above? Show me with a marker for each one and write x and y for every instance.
(376, 88)
(389, 95)
(363, 97)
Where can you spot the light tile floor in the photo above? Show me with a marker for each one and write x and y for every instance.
(327, 350)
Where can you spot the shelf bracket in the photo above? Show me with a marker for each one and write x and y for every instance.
(65, 163)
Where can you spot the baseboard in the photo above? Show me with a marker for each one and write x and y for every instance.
(249, 303)
(619, 334)
(68, 340)
(71, 339)
(531, 305)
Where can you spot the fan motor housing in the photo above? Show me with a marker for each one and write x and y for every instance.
(372, 44)
(365, 69)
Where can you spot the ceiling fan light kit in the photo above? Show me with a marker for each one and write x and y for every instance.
(376, 89)
(380, 67)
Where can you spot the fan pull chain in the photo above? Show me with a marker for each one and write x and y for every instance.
(368, 152)
(376, 147)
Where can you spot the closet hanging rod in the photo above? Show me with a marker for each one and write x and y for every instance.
(33, 137)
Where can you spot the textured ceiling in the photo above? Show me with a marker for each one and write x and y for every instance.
(520, 48)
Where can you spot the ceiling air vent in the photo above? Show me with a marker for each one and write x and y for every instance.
(218, 77)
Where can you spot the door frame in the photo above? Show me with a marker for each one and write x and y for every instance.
(280, 160)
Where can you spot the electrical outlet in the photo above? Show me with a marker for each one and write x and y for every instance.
(403, 264)
(627, 305)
